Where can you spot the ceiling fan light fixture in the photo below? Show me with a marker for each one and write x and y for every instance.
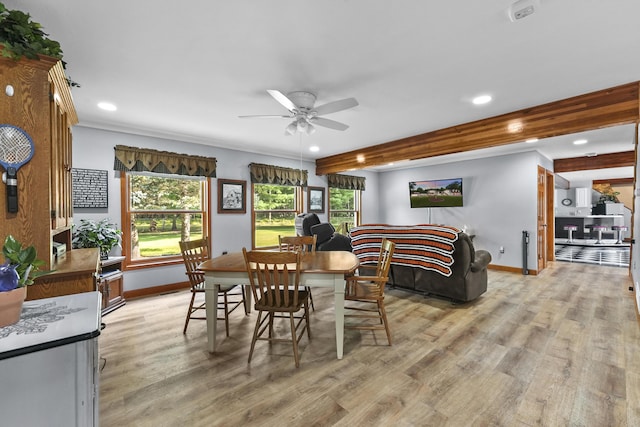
(310, 129)
(291, 129)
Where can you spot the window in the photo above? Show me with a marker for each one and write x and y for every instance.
(274, 212)
(160, 211)
(344, 207)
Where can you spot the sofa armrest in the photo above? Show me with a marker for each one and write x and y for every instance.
(482, 260)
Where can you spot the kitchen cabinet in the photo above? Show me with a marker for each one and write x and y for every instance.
(49, 363)
(111, 284)
(583, 197)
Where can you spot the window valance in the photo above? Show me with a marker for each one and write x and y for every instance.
(346, 182)
(268, 174)
(130, 159)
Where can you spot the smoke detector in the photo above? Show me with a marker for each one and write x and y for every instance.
(523, 8)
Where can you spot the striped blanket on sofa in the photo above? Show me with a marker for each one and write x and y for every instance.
(429, 247)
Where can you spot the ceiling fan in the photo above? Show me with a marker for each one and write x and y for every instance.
(304, 114)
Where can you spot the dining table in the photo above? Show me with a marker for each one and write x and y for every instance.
(325, 269)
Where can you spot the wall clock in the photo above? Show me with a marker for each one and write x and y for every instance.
(567, 202)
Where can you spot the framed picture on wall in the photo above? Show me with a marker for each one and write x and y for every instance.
(231, 196)
(315, 199)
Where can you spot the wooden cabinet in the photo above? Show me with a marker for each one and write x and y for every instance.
(74, 273)
(40, 104)
(111, 284)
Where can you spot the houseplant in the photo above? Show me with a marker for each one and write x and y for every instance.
(19, 270)
(96, 234)
(22, 37)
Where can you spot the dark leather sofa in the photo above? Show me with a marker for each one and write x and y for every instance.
(467, 278)
(308, 224)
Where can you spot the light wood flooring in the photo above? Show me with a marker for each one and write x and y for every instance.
(558, 349)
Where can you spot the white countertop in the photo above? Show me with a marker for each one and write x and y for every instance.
(50, 322)
(589, 216)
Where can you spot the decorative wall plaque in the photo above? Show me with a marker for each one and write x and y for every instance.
(90, 188)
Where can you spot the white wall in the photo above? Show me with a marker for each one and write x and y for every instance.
(500, 200)
(93, 149)
(499, 197)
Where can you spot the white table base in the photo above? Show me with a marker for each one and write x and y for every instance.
(316, 280)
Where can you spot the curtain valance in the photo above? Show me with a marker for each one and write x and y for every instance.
(268, 174)
(346, 182)
(130, 159)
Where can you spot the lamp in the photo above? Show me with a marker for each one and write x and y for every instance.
(291, 129)
(299, 125)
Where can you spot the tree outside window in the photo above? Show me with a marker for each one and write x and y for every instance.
(162, 211)
(274, 208)
(344, 208)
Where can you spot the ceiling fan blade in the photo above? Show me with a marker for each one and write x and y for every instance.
(263, 116)
(335, 106)
(282, 99)
(332, 124)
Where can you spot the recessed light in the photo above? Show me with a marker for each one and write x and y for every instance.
(314, 148)
(531, 140)
(107, 106)
(579, 141)
(482, 99)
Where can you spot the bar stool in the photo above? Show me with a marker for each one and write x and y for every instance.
(570, 229)
(620, 229)
(599, 229)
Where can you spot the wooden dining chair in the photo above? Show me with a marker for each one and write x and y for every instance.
(275, 282)
(302, 244)
(194, 253)
(363, 291)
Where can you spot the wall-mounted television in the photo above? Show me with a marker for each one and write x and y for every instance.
(436, 193)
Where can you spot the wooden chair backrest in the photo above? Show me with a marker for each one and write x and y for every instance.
(271, 276)
(298, 243)
(384, 261)
(194, 253)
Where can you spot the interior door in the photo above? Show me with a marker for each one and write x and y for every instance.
(550, 216)
(542, 219)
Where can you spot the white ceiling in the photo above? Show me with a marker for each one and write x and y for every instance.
(187, 70)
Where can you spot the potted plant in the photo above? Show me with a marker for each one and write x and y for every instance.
(19, 270)
(97, 234)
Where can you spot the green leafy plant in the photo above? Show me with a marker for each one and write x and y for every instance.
(23, 260)
(22, 37)
(96, 234)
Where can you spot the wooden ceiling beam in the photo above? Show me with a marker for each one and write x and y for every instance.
(609, 107)
(602, 161)
(614, 181)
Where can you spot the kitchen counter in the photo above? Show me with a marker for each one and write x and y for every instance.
(589, 216)
(583, 222)
(49, 362)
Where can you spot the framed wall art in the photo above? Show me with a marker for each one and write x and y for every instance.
(315, 199)
(90, 188)
(231, 196)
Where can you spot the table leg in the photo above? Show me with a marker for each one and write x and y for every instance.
(338, 295)
(211, 309)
